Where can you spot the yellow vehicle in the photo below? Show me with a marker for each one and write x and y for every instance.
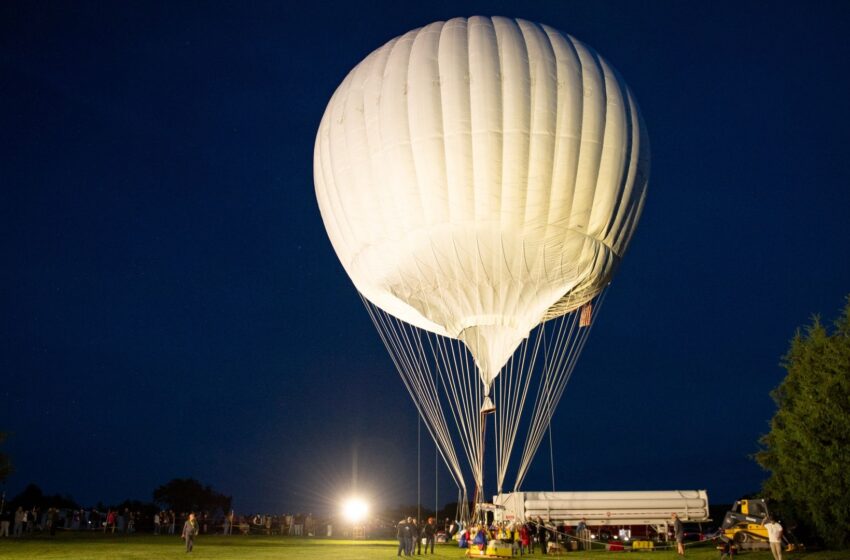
(744, 524)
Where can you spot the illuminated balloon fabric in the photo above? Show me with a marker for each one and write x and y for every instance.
(477, 177)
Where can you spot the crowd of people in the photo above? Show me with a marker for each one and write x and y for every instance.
(522, 538)
(412, 535)
(115, 521)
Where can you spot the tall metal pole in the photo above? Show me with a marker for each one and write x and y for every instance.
(418, 468)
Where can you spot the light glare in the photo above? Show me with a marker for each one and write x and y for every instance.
(354, 510)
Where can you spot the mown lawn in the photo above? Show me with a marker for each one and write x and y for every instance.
(99, 547)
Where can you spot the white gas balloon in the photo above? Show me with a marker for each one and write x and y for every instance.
(479, 176)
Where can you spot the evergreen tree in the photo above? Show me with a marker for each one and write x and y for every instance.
(807, 450)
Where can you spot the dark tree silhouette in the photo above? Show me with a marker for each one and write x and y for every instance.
(5, 462)
(187, 494)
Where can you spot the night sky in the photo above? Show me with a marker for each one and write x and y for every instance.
(172, 307)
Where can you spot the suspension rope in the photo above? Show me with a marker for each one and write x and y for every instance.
(566, 342)
(424, 395)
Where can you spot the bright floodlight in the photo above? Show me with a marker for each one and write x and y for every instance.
(355, 510)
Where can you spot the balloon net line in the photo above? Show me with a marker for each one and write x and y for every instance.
(442, 379)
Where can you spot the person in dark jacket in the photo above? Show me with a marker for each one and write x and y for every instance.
(542, 535)
(190, 529)
(402, 532)
(429, 532)
(416, 535)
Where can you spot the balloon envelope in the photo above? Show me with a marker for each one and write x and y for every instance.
(479, 176)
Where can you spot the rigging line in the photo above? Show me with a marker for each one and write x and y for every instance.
(551, 456)
(436, 413)
(555, 373)
(442, 296)
(383, 331)
(582, 342)
(539, 415)
(541, 390)
(418, 469)
(454, 370)
(528, 375)
(541, 273)
(437, 436)
(451, 389)
(457, 410)
(583, 337)
(436, 481)
(471, 393)
(505, 413)
(568, 367)
(530, 371)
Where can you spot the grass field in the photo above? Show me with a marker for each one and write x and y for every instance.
(98, 547)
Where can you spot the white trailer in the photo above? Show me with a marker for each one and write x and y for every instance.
(612, 509)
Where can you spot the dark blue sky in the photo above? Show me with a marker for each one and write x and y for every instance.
(171, 305)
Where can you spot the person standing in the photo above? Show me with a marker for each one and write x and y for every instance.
(402, 530)
(525, 540)
(583, 534)
(430, 532)
(5, 520)
(416, 534)
(542, 535)
(679, 534)
(228, 523)
(190, 529)
(774, 535)
(20, 517)
(410, 531)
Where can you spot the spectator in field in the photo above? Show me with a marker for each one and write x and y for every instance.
(583, 534)
(430, 532)
(402, 530)
(30, 519)
(416, 536)
(51, 522)
(172, 521)
(679, 534)
(190, 529)
(774, 535)
(524, 539)
(542, 535)
(110, 521)
(228, 523)
(5, 520)
(157, 524)
(20, 516)
(408, 540)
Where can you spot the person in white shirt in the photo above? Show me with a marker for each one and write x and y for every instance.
(774, 535)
